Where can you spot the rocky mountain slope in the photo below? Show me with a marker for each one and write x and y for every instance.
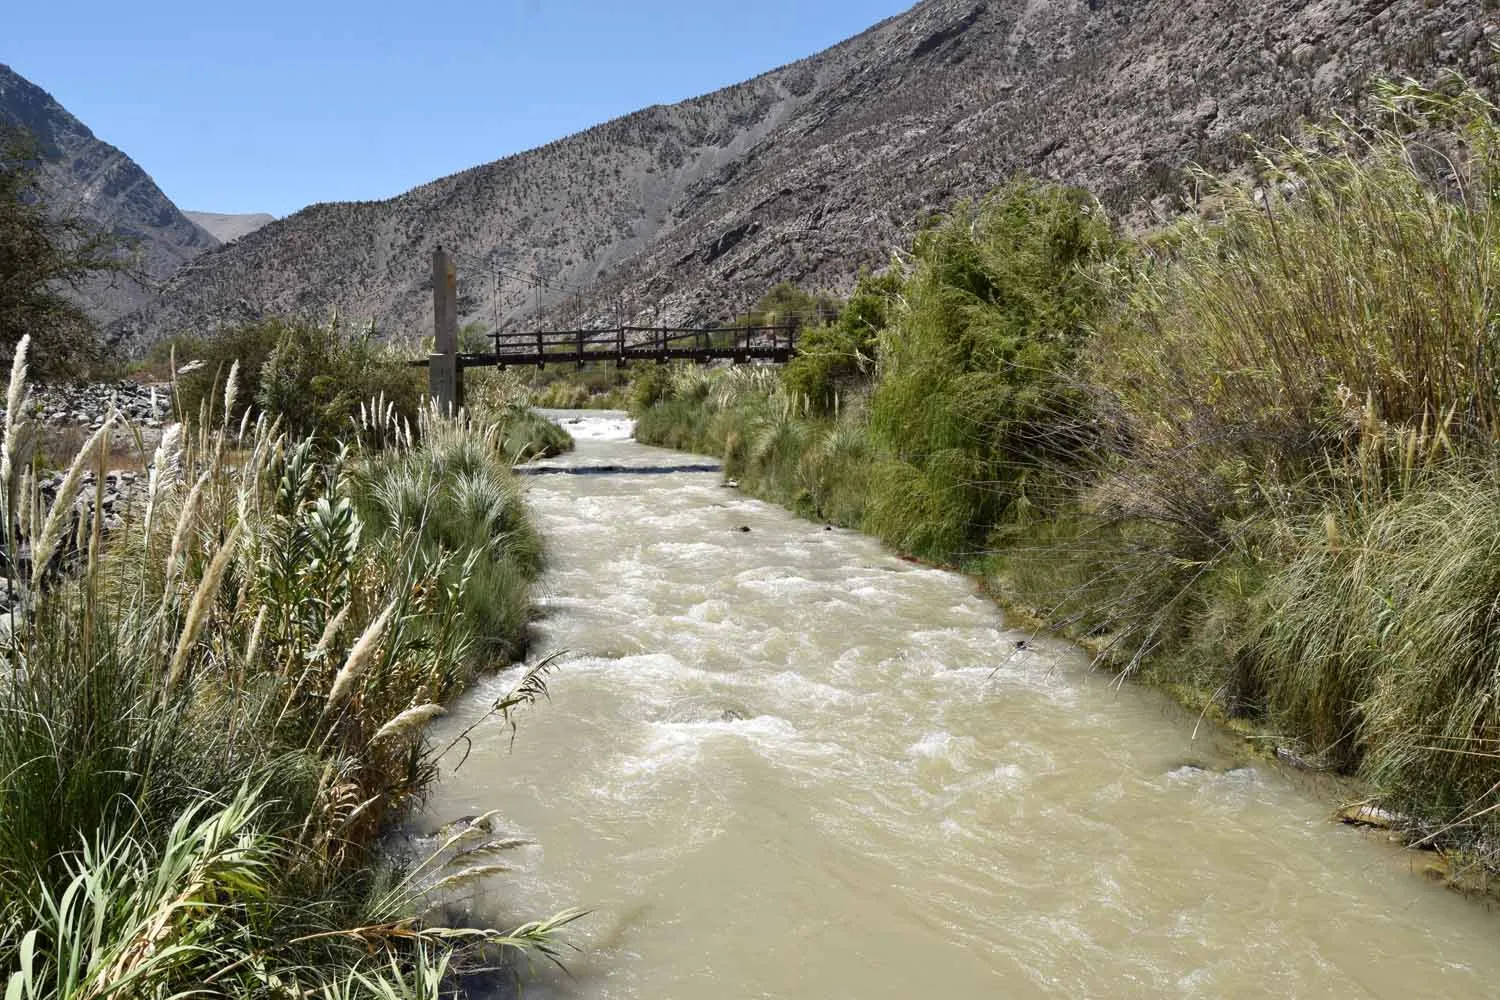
(90, 179)
(226, 227)
(689, 212)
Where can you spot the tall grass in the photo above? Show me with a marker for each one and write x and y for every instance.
(1299, 396)
(1351, 290)
(1379, 642)
(209, 713)
(971, 401)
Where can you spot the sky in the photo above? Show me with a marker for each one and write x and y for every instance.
(271, 105)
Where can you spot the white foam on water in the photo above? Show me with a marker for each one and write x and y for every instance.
(709, 611)
(686, 550)
(604, 425)
(798, 688)
(934, 746)
(786, 586)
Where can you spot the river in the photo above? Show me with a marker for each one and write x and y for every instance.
(784, 763)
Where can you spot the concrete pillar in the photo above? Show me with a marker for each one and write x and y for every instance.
(445, 376)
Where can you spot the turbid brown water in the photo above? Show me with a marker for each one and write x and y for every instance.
(784, 763)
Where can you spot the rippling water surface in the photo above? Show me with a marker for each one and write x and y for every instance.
(784, 763)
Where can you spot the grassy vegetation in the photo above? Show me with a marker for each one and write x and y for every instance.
(321, 382)
(209, 713)
(1253, 457)
(313, 377)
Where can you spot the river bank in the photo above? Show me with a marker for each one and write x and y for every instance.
(1249, 457)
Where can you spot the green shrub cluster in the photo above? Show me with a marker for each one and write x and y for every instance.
(312, 378)
(835, 359)
(973, 401)
(1254, 455)
(210, 712)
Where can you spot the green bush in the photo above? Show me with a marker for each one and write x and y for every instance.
(314, 379)
(840, 358)
(200, 389)
(317, 378)
(975, 397)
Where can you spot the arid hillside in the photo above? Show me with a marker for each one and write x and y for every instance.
(89, 179)
(689, 212)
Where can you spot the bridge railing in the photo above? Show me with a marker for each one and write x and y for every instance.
(626, 342)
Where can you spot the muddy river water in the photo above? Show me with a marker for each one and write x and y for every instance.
(784, 763)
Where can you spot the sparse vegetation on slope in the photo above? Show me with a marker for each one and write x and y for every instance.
(685, 214)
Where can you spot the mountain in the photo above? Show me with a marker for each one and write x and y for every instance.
(228, 227)
(90, 179)
(689, 212)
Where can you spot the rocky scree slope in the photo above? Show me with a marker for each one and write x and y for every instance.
(687, 213)
(89, 179)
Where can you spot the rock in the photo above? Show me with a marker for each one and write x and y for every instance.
(1366, 814)
(1299, 760)
(483, 824)
(745, 528)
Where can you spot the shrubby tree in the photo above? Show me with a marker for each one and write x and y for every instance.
(316, 377)
(44, 256)
(312, 377)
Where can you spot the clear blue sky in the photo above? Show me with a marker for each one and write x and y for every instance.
(270, 105)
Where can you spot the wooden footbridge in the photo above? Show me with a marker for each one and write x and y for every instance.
(620, 345)
(624, 344)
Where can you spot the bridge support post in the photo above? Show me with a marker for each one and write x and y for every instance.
(445, 376)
